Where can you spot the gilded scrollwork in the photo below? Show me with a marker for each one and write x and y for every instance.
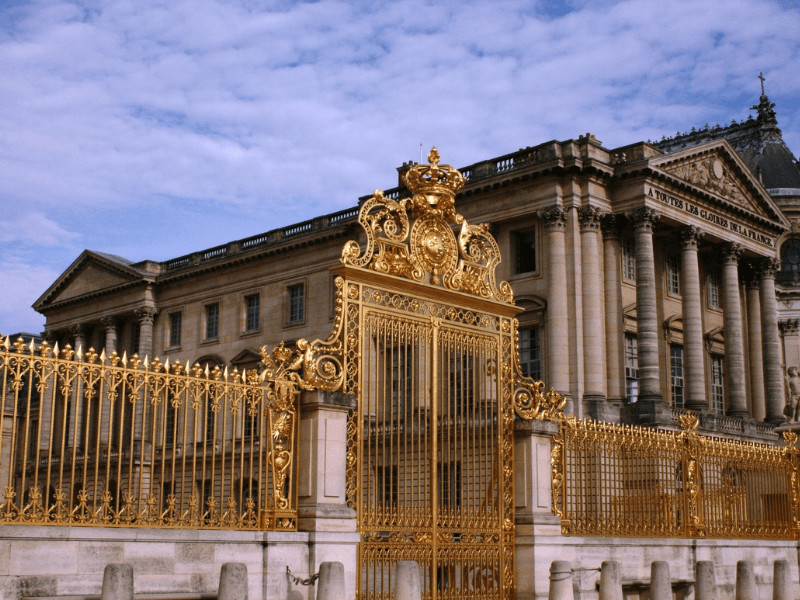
(529, 400)
(428, 249)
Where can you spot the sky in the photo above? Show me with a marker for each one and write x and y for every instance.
(152, 129)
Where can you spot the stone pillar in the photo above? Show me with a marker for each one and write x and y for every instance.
(331, 581)
(746, 588)
(610, 581)
(757, 402)
(117, 582)
(321, 480)
(110, 323)
(615, 347)
(146, 315)
(781, 581)
(561, 581)
(660, 582)
(732, 326)
(694, 362)
(557, 317)
(646, 314)
(232, 582)
(592, 295)
(76, 415)
(406, 581)
(773, 363)
(705, 581)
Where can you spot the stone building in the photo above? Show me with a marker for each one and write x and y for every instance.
(650, 282)
(647, 274)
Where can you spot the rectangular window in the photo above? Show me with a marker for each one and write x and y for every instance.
(175, 329)
(252, 309)
(402, 380)
(212, 321)
(296, 303)
(530, 352)
(524, 251)
(676, 375)
(628, 260)
(461, 375)
(136, 330)
(717, 385)
(631, 368)
(387, 485)
(170, 422)
(450, 484)
(673, 274)
(713, 289)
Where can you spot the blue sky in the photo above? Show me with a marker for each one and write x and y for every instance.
(153, 129)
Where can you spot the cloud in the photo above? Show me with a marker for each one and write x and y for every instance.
(153, 129)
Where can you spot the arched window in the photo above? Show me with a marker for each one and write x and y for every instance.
(790, 255)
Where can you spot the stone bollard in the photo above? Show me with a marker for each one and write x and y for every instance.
(331, 581)
(746, 588)
(610, 581)
(233, 582)
(561, 581)
(406, 581)
(660, 583)
(705, 583)
(117, 582)
(781, 584)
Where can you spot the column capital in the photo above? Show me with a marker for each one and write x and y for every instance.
(752, 279)
(789, 326)
(589, 218)
(110, 322)
(49, 336)
(79, 330)
(766, 267)
(643, 218)
(730, 252)
(554, 217)
(146, 314)
(609, 224)
(690, 237)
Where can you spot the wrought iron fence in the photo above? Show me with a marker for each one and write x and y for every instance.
(619, 480)
(111, 441)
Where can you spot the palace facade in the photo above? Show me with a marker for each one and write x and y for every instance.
(653, 277)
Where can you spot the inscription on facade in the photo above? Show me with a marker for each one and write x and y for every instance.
(711, 217)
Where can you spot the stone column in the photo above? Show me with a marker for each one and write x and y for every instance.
(321, 483)
(76, 416)
(146, 315)
(692, 321)
(732, 327)
(646, 315)
(110, 323)
(557, 326)
(48, 401)
(773, 371)
(757, 402)
(592, 290)
(615, 349)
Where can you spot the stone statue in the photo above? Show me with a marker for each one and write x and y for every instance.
(792, 380)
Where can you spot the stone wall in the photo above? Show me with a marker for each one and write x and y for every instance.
(38, 562)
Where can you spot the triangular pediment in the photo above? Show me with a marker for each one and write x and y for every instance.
(716, 169)
(91, 273)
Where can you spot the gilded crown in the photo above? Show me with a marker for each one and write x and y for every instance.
(434, 186)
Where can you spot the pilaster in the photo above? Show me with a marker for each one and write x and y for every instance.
(754, 347)
(593, 322)
(614, 338)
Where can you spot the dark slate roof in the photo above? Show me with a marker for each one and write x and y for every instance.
(120, 260)
(758, 141)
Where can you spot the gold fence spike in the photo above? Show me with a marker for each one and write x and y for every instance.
(103, 356)
(125, 358)
(7, 343)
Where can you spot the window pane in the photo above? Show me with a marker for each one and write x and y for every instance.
(212, 321)
(524, 251)
(296, 303)
(631, 368)
(530, 352)
(676, 374)
(628, 260)
(673, 274)
(717, 385)
(252, 304)
(175, 329)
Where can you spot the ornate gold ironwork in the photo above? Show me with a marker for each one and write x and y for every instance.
(620, 480)
(117, 441)
(433, 362)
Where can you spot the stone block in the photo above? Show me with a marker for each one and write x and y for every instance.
(194, 557)
(94, 556)
(29, 557)
(5, 556)
(250, 555)
(150, 558)
(40, 586)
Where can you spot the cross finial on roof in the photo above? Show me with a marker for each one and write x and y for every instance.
(762, 78)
